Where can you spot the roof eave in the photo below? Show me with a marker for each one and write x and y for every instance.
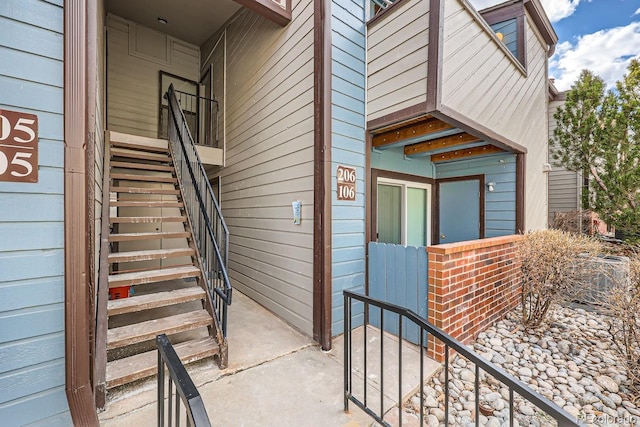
(542, 22)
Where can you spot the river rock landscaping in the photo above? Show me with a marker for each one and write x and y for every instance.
(570, 360)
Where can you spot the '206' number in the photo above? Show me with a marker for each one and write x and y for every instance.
(346, 175)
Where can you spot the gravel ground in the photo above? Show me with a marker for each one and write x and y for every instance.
(570, 361)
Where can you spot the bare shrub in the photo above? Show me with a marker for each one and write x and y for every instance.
(573, 221)
(623, 307)
(553, 270)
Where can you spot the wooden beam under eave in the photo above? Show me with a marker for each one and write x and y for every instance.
(412, 131)
(466, 153)
(439, 143)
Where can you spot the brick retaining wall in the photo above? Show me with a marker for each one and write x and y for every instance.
(471, 285)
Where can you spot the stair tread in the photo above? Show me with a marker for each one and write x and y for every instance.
(142, 190)
(115, 136)
(139, 147)
(152, 276)
(149, 254)
(120, 237)
(141, 166)
(147, 203)
(143, 365)
(140, 155)
(154, 300)
(144, 331)
(145, 178)
(145, 219)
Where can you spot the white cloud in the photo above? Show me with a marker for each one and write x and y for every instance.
(606, 53)
(559, 9)
(556, 9)
(637, 12)
(483, 4)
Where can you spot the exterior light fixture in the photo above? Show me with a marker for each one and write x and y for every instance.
(491, 185)
(163, 21)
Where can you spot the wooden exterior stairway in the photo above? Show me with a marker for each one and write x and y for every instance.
(155, 279)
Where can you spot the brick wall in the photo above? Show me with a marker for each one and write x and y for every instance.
(471, 285)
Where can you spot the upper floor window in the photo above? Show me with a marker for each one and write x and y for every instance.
(508, 22)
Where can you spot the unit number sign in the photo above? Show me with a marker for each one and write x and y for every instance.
(18, 146)
(346, 183)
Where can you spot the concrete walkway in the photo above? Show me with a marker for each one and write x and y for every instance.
(278, 377)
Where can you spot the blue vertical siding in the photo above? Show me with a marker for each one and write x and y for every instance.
(500, 205)
(32, 372)
(394, 160)
(348, 149)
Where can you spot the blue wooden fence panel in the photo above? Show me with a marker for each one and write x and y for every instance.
(398, 275)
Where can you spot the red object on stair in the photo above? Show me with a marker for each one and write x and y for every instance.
(119, 292)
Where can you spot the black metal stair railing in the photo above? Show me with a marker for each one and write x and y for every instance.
(185, 391)
(377, 410)
(209, 229)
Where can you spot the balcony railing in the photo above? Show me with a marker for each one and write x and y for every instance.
(428, 332)
(202, 116)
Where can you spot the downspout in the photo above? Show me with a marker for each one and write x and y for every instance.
(77, 351)
(322, 275)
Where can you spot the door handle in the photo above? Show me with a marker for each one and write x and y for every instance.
(442, 236)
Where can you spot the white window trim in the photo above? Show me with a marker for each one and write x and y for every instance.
(403, 213)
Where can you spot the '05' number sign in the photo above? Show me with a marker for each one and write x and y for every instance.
(18, 146)
(346, 183)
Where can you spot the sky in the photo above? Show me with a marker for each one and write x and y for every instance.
(600, 35)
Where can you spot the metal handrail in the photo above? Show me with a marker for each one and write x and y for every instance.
(209, 229)
(186, 391)
(562, 417)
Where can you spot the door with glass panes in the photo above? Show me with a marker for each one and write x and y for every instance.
(403, 212)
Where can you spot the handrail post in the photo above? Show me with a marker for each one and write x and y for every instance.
(185, 391)
(160, 390)
(347, 349)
